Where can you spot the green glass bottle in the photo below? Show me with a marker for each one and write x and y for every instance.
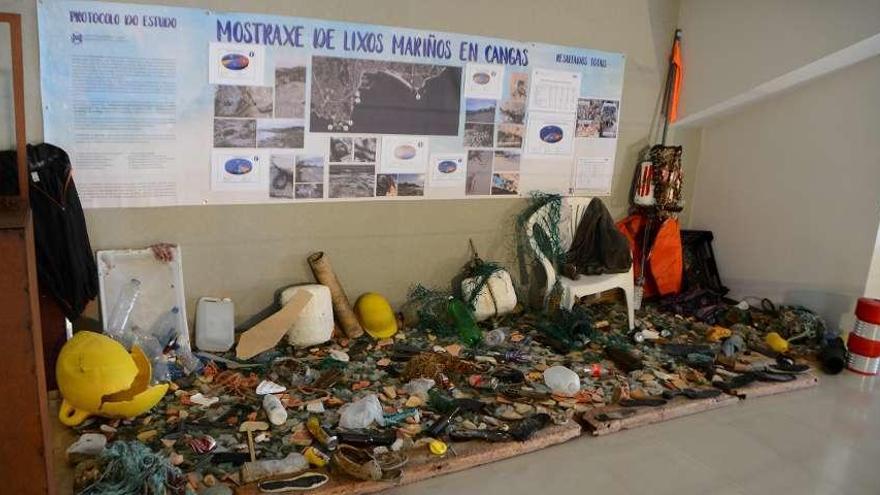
(465, 323)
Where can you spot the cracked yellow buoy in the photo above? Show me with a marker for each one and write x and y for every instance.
(98, 377)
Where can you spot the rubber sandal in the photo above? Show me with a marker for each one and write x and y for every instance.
(299, 483)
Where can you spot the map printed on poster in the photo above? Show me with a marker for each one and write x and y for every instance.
(178, 106)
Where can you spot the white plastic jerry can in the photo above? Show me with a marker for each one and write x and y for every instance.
(215, 324)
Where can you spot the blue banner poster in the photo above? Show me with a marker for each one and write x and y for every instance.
(163, 106)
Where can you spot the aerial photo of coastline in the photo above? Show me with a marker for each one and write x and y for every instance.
(382, 97)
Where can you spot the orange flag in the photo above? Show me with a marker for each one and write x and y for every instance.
(676, 81)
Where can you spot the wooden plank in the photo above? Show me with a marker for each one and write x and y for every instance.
(676, 408)
(763, 389)
(25, 453)
(423, 465)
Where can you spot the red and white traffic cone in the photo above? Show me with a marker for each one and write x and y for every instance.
(864, 341)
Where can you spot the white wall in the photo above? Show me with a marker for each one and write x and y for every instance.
(872, 286)
(730, 47)
(381, 246)
(791, 188)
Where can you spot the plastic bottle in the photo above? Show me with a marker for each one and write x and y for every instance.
(496, 337)
(258, 470)
(562, 380)
(119, 316)
(274, 409)
(468, 332)
(165, 328)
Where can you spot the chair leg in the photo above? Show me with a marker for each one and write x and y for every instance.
(567, 299)
(630, 305)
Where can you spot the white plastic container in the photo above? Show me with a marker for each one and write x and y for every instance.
(215, 324)
(315, 323)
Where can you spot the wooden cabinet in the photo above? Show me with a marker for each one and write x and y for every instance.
(25, 452)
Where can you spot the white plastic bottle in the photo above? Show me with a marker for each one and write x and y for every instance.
(274, 409)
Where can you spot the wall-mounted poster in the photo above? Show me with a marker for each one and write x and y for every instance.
(178, 106)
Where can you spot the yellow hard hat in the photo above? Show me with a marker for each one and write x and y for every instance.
(376, 315)
(98, 377)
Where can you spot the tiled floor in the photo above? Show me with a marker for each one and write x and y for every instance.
(824, 440)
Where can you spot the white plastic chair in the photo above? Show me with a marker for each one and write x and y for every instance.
(572, 210)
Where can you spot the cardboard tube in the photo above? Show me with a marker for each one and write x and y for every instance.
(324, 274)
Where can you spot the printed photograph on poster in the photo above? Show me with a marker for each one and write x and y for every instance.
(554, 91)
(478, 135)
(365, 149)
(235, 133)
(479, 110)
(510, 135)
(236, 64)
(484, 81)
(588, 118)
(518, 88)
(386, 185)
(243, 101)
(404, 154)
(365, 96)
(352, 181)
(400, 185)
(309, 168)
(506, 161)
(280, 133)
(281, 176)
(448, 169)
(410, 184)
(550, 134)
(240, 170)
(309, 191)
(506, 183)
(290, 89)
(594, 174)
(341, 149)
(479, 172)
(609, 119)
(512, 112)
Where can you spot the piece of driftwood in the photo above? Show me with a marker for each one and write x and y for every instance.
(763, 389)
(643, 416)
(342, 311)
(423, 465)
(266, 334)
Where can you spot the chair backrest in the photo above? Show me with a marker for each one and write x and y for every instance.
(571, 211)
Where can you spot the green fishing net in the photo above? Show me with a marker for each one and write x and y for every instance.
(480, 271)
(546, 234)
(131, 468)
(566, 330)
(432, 309)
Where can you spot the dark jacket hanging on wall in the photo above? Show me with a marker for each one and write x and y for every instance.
(65, 263)
(597, 247)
